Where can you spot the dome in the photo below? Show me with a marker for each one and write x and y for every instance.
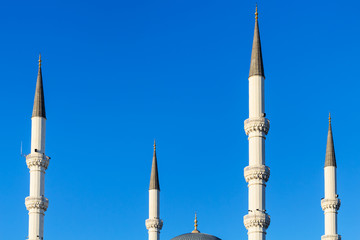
(196, 236)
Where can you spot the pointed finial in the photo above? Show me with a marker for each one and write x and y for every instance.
(39, 59)
(329, 118)
(195, 225)
(195, 221)
(154, 144)
(256, 12)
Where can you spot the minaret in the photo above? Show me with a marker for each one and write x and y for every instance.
(37, 162)
(331, 203)
(154, 223)
(256, 127)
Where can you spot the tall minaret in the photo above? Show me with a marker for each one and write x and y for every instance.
(154, 223)
(331, 203)
(256, 127)
(37, 162)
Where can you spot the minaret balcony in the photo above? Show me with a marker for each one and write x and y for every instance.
(331, 237)
(261, 173)
(330, 204)
(257, 219)
(260, 124)
(37, 159)
(37, 203)
(154, 223)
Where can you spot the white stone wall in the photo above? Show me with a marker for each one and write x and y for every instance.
(256, 96)
(38, 129)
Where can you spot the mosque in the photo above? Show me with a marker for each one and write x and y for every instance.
(256, 173)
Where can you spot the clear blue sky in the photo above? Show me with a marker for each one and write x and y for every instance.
(118, 74)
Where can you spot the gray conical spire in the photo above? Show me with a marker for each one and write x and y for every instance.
(154, 178)
(39, 100)
(330, 159)
(256, 65)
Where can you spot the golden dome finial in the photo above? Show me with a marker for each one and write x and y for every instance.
(154, 144)
(195, 225)
(329, 117)
(39, 59)
(195, 222)
(256, 12)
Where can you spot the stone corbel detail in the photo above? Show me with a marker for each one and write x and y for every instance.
(154, 223)
(257, 219)
(37, 159)
(40, 203)
(330, 204)
(257, 172)
(256, 124)
(331, 237)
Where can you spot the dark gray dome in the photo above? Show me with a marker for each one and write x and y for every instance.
(196, 236)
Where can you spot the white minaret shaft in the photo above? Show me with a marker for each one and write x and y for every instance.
(256, 127)
(331, 203)
(37, 162)
(154, 223)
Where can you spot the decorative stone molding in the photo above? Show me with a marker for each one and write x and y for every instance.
(257, 172)
(37, 159)
(257, 219)
(40, 203)
(330, 204)
(154, 223)
(256, 124)
(331, 237)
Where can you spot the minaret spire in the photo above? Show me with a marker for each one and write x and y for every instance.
(331, 203)
(330, 159)
(256, 127)
(39, 99)
(154, 223)
(154, 178)
(37, 162)
(256, 64)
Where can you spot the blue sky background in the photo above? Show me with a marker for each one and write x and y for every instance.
(118, 74)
